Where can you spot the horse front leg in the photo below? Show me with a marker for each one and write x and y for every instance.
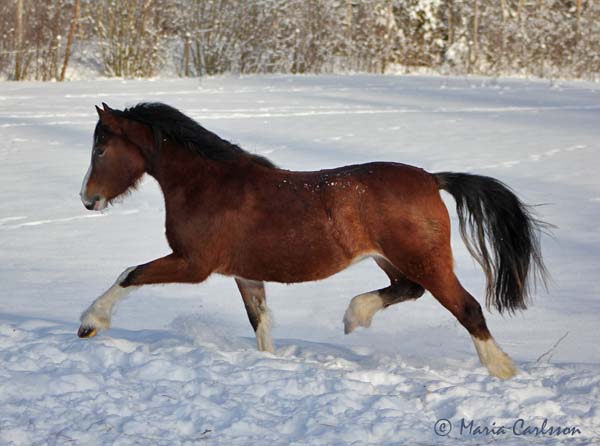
(169, 269)
(255, 301)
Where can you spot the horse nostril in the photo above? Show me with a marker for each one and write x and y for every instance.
(91, 203)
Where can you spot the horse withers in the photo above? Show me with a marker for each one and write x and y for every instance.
(234, 213)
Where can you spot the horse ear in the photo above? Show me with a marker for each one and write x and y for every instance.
(109, 119)
(126, 127)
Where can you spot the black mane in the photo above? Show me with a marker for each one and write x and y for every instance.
(168, 122)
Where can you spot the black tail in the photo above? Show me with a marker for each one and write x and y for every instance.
(501, 234)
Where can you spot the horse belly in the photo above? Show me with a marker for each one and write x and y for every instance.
(297, 255)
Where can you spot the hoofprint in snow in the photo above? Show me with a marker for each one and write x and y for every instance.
(180, 364)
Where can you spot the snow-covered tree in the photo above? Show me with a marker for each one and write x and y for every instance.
(140, 38)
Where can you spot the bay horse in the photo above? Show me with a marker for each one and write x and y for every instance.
(236, 214)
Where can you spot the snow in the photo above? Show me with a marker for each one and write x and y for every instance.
(180, 364)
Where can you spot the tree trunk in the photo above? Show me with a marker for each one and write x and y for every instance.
(578, 23)
(502, 62)
(390, 29)
(54, 46)
(474, 47)
(349, 50)
(186, 55)
(19, 31)
(72, 29)
(450, 23)
(522, 37)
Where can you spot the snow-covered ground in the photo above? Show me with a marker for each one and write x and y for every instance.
(179, 365)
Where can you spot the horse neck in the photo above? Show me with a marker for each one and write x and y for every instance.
(187, 176)
(174, 167)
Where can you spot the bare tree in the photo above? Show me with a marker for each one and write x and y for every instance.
(72, 28)
(19, 46)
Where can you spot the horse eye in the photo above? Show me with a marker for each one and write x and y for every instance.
(99, 151)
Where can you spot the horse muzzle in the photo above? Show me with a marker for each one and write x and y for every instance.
(96, 203)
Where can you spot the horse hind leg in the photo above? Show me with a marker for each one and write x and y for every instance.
(363, 307)
(468, 312)
(255, 301)
(439, 279)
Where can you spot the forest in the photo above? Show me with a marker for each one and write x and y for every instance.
(62, 39)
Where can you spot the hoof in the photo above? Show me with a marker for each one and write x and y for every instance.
(349, 327)
(507, 371)
(494, 359)
(353, 320)
(361, 310)
(86, 332)
(350, 323)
